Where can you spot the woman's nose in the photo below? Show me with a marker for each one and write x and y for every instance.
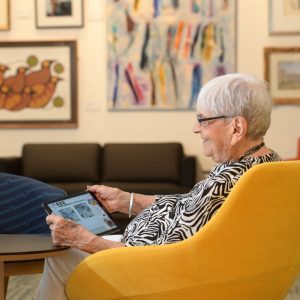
(197, 127)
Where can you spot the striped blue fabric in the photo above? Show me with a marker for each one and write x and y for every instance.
(20, 204)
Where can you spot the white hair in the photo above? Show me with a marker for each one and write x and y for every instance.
(239, 95)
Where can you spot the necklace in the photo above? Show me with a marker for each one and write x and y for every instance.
(251, 151)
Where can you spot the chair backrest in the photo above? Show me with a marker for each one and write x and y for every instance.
(21, 201)
(253, 242)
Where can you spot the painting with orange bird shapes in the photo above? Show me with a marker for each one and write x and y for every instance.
(35, 82)
(161, 52)
(30, 83)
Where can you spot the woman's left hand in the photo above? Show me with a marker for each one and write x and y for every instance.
(65, 232)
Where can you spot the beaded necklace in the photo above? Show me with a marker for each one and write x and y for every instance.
(251, 151)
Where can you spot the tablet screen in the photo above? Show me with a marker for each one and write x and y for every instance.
(84, 209)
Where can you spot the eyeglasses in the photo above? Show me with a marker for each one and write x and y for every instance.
(204, 122)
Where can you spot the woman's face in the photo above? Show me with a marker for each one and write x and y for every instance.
(216, 135)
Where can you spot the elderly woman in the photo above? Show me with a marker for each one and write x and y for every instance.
(233, 115)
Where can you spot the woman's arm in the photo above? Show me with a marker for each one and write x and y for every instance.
(115, 199)
(140, 202)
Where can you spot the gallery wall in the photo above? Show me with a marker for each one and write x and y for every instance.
(97, 124)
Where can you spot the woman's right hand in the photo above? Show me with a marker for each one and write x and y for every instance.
(113, 199)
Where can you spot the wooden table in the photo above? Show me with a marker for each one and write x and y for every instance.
(23, 254)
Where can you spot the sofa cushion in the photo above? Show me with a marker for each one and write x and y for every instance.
(62, 162)
(73, 187)
(142, 162)
(149, 188)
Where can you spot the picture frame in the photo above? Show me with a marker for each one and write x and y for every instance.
(4, 15)
(284, 17)
(58, 14)
(160, 53)
(38, 84)
(282, 71)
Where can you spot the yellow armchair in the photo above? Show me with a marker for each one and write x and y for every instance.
(249, 250)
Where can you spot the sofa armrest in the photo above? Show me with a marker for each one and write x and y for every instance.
(188, 171)
(11, 165)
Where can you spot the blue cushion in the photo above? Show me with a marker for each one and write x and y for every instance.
(20, 204)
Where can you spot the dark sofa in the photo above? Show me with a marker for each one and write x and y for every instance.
(148, 168)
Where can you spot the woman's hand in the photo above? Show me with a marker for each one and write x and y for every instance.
(65, 232)
(113, 199)
(68, 233)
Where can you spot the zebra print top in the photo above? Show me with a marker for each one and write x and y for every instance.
(173, 218)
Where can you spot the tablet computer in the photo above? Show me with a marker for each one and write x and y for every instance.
(85, 209)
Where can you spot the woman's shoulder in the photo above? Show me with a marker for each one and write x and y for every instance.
(232, 167)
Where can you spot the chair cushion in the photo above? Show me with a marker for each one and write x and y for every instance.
(62, 162)
(20, 204)
(142, 162)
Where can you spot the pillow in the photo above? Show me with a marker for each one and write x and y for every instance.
(20, 204)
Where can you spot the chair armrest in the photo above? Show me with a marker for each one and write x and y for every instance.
(124, 272)
(188, 171)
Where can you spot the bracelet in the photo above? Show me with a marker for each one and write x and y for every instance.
(130, 204)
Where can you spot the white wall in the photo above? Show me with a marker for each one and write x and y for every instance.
(99, 125)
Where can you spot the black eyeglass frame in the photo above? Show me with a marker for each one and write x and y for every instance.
(202, 120)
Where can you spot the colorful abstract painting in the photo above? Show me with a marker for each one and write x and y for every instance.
(161, 52)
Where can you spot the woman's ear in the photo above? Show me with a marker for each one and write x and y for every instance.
(240, 128)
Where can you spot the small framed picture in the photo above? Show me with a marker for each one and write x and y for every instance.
(38, 84)
(282, 71)
(284, 17)
(4, 15)
(58, 13)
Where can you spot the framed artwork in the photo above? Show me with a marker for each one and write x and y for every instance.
(161, 52)
(4, 15)
(284, 17)
(38, 84)
(58, 13)
(282, 71)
